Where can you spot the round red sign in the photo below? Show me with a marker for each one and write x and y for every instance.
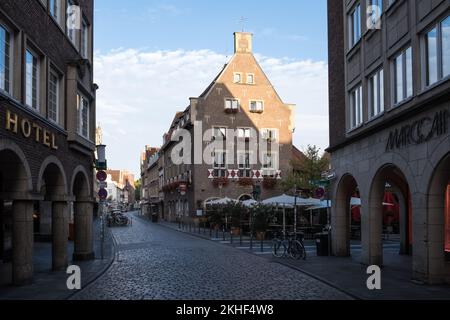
(102, 176)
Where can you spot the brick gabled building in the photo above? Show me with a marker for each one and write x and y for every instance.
(242, 100)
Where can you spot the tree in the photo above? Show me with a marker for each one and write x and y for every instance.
(137, 189)
(307, 170)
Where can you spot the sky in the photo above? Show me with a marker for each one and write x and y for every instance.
(152, 55)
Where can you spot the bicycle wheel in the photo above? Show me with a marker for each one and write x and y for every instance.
(297, 250)
(277, 248)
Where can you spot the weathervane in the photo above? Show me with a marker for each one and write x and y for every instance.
(242, 21)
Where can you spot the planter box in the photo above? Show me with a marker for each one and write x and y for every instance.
(260, 235)
(236, 231)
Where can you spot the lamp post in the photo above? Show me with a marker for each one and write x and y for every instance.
(100, 166)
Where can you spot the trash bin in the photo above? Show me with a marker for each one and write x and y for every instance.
(154, 218)
(322, 244)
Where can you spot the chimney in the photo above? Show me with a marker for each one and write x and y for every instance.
(243, 42)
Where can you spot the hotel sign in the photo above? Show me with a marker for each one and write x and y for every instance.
(420, 131)
(30, 130)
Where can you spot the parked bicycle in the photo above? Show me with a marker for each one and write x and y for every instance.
(117, 218)
(290, 245)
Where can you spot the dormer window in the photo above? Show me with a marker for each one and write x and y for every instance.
(237, 78)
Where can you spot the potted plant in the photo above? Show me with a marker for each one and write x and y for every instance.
(261, 218)
(235, 211)
(215, 219)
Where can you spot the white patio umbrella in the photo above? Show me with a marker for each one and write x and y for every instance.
(285, 201)
(249, 203)
(223, 201)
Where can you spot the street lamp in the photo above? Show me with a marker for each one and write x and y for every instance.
(101, 165)
(100, 162)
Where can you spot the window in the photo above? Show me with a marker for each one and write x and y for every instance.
(244, 165)
(445, 27)
(269, 134)
(84, 40)
(250, 78)
(220, 133)
(256, 106)
(53, 96)
(220, 164)
(237, 78)
(83, 116)
(356, 108)
(376, 10)
(232, 104)
(244, 133)
(355, 26)
(376, 93)
(403, 86)
(268, 161)
(5, 63)
(447, 221)
(31, 80)
(70, 27)
(438, 52)
(244, 160)
(54, 7)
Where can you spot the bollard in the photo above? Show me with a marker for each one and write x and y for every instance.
(217, 233)
(231, 237)
(262, 244)
(240, 238)
(251, 241)
(223, 234)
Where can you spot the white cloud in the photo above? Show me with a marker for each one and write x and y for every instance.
(140, 91)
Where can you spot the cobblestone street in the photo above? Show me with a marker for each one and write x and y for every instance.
(154, 262)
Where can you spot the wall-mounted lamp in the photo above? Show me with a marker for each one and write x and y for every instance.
(100, 162)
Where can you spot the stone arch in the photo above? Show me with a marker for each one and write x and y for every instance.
(24, 183)
(53, 163)
(373, 223)
(76, 184)
(341, 217)
(437, 208)
(245, 196)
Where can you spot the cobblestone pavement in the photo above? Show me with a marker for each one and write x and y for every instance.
(157, 263)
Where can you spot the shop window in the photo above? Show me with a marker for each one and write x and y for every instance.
(447, 223)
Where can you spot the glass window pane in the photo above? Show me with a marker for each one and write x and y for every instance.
(446, 46)
(399, 79)
(432, 56)
(29, 79)
(409, 76)
(381, 107)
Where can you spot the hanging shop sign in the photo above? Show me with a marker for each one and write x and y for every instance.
(30, 130)
(420, 131)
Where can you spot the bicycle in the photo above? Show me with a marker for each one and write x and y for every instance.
(291, 246)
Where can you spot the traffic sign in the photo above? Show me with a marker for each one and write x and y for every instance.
(102, 176)
(320, 193)
(103, 185)
(183, 189)
(103, 194)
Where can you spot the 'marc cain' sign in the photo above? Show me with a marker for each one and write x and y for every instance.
(420, 131)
